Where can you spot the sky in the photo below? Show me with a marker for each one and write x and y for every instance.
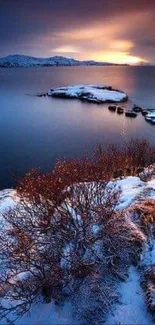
(119, 31)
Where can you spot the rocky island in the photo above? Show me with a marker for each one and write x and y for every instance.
(91, 93)
(98, 94)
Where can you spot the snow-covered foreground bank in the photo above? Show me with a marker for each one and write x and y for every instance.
(7, 199)
(48, 314)
(91, 93)
(131, 308)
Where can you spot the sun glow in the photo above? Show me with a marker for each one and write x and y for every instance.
(117, 57)
(105, 41)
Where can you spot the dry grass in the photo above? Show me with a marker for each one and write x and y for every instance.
(144, 212)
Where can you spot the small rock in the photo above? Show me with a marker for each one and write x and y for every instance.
(144, 112)
(120, 110)
(112, 108)
(148, 118)
(131, 114)
(137, 109)
(41, 95)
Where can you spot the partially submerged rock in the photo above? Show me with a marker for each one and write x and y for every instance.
(120, 110)
(112, 108)
(90, 93)
(41, 95)
(150, 117)
(144, 112)
(149, 114)
(137, 109)
(131, 114)
(150, 120)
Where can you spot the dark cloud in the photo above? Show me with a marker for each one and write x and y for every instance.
(37, 27)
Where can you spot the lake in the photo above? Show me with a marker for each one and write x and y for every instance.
(35, 131)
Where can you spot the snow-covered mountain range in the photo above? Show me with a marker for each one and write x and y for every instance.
(17, 60)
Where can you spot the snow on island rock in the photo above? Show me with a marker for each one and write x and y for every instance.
(150, 117)
(90, 93)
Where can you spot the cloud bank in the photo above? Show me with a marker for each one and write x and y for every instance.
(119, 31)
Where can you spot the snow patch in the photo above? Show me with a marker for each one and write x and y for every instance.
(132, 307)
(7, 199)
(47, 314)
(129, 187)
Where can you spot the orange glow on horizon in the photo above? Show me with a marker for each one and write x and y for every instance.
(103, 41)
(117, 57)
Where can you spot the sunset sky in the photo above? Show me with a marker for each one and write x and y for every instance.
(121, 31)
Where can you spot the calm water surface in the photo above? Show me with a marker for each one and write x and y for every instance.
(34, 131)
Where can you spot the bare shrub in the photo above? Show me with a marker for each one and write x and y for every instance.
(106, 162)
(119, 244)
(141, 153)
(66, 229)
(48, 244)
(128, 159)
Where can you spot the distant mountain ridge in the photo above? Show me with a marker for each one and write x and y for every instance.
(25, 61)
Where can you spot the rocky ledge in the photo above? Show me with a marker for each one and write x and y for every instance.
(100, 95)
(91, 93)
(148, 114)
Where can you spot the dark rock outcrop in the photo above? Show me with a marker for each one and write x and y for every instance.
(120, 110)
(137, 109)
(112, 108)
(131, 114)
